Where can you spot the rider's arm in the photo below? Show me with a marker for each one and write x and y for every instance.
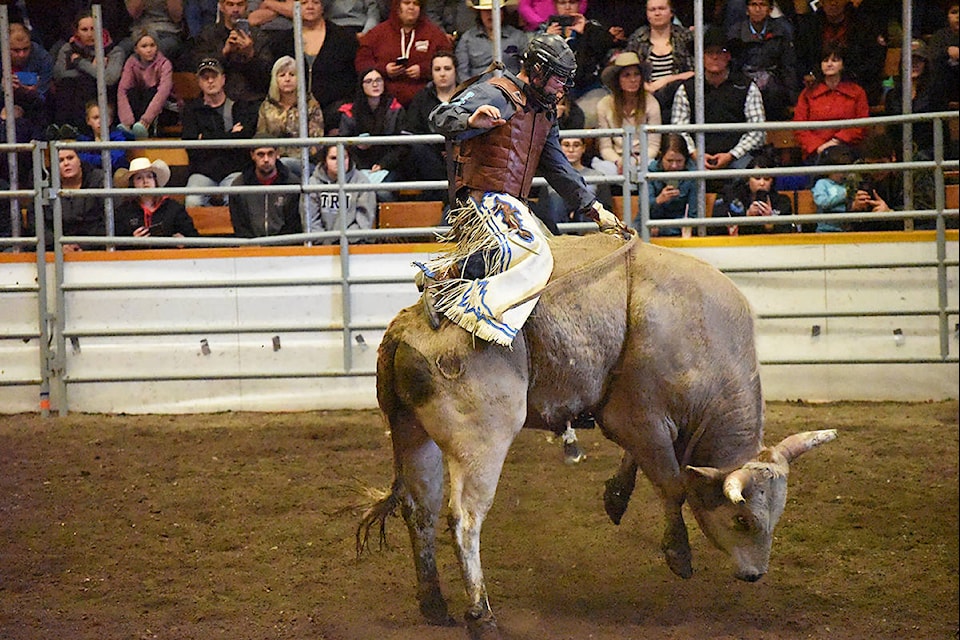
(452, 119)
(557, 170)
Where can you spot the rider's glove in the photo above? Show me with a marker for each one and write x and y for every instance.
(607, 221)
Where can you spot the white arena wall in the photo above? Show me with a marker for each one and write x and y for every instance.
(266, 345)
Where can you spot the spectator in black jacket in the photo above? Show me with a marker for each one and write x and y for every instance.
(762, 48)
(214, 116)
(426, 161)
(81, 216)
(263, 213)
(856, 29)
(243, 51)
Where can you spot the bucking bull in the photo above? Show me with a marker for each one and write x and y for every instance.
(658, 345)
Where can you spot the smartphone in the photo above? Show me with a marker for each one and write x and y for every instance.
(242, 24)
(761, 196)
(563, 21)
(672, 183)
(155, 227)
(28, 78)
(402, 61)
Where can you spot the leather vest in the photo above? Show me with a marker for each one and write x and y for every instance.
(505, 158)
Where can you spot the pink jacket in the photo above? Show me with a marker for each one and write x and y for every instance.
(535, 12)
(158, 73)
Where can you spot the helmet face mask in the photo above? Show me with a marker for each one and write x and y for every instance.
(548, 56)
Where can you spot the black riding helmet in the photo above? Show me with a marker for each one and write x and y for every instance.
(548, 55)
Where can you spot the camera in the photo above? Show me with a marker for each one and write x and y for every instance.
(242, 24)
(563, 21)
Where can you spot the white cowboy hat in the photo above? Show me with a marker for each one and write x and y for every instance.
(488, 4)
(160, 169)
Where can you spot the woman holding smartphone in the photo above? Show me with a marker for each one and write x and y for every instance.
(757, 195)
(148, 214)
(671, 199)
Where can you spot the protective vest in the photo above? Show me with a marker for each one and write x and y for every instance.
(505, 158)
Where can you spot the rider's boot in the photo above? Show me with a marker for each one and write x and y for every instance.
(428, 300)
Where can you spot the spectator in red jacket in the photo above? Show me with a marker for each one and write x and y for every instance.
(401, 48)
(830, 98)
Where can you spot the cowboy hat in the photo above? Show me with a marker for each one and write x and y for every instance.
(612, 71)
(488, 4)
(159, 168)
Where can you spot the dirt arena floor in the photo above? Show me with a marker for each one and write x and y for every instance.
(241, 526)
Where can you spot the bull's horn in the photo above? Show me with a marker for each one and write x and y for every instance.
(736, 483)
(793, 446)
(707, 473)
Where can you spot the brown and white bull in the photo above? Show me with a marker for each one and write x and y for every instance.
(657, 344)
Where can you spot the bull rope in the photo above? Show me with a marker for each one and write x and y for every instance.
(582, 270)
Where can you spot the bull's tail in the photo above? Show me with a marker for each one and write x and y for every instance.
(389, 405)
(376, 515)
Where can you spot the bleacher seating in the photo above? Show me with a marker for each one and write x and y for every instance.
(405, 215)
(185, 88)
(212, 221)
(176, 159)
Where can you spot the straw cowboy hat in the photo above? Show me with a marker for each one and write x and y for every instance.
(612, 71)
(159, 168)
(488, 4)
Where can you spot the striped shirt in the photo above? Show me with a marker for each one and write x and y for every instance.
(660, 66)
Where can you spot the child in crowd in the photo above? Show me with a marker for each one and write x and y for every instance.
(671, 199)
(94, 157)
(145, 86)
(830, 192)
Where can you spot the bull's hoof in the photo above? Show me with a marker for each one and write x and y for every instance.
(680, 562)
(616, 497)
(482, 626)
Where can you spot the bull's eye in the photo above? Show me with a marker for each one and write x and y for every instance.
(740, 523)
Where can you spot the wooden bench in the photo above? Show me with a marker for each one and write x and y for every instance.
(185, 87)
(891, 64)
(952, 196)
(212, 221)
(415, 213)
(803, 202)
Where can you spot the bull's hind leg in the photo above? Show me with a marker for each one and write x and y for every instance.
(420, 471)
(476, 410)
(473, 484)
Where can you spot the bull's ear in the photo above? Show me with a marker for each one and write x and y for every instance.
(793, 446)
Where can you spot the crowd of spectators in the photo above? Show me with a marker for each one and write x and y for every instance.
(377, 67)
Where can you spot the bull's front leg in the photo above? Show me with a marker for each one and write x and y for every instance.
(619, 488)
(676, 543)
